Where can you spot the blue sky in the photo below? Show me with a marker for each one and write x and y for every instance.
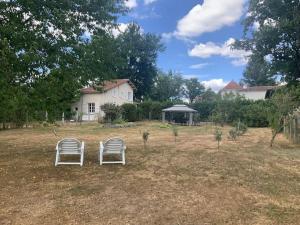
(197, 35)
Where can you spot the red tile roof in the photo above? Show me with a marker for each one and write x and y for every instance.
(232, 85)
(107, 85)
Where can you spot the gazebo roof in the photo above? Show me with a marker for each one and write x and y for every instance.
(179, 108)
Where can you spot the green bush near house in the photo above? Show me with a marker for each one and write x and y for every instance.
(129, 112)
(112, 112)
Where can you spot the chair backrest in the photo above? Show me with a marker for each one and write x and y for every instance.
(114, 145)
(69, 144)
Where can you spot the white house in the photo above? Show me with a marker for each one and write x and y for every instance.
(117, 92)
(252, 93)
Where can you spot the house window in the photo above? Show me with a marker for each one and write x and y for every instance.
(129, 96)
(91, 107)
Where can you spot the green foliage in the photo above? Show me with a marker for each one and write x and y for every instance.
(240, 128)
(255, 114)
(112, 112)
(139, 52)
(152, 110)
(218, 118)
(164, 126)
(129, 112)
(257, 72)
(228, 110)
(208, 95)
(277, 36)
(285, 101)
(118, 120)
(218, 136)
(193, 89)
(233, 134)
(167, 86)
(47, 60)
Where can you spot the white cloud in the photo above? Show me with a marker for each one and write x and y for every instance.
(210, 16)
(208, 49)
(214, 84)
(166, 37)
(147, 2)
(131, 4)
(199, 66)
(120, 29)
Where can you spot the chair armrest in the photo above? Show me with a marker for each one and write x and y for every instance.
(101, 147)
(57, 149)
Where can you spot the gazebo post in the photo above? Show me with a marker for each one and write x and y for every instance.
(191, 119)
(163, 117)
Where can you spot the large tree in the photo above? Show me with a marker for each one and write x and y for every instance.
(140, 51)
(42, 47)
(193, 89)
(272, 30)
(257, 72)
(167, 87)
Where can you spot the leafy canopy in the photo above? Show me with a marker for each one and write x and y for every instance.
(193, 89)
(139, 51)
(272, 30)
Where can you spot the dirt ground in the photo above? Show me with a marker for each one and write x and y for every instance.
(187, 182)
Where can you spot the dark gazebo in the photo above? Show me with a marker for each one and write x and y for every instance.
(181, 109)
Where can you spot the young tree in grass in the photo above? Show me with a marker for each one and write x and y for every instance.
(218, 136)
(174, 132)
(285, 101)
(145, 137)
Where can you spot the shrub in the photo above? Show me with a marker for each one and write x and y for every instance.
(164, 125)
(227, 110)
(151, 110)
(233, 134)
(118, 121)
(129, 112)
(241, 128)
(219, 118)
(112, 112)
(255, 114)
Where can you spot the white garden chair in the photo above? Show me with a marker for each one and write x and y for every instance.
(69, 146)
(113, 146)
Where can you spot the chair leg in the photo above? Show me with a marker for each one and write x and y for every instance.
(123, 158)
(81, 158)
(100, 157)
(56, 158)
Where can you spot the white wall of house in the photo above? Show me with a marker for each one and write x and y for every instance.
(89, 104)
(223, 92)
(253, 95)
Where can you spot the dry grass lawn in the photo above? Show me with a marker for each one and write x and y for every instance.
(187, 182)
